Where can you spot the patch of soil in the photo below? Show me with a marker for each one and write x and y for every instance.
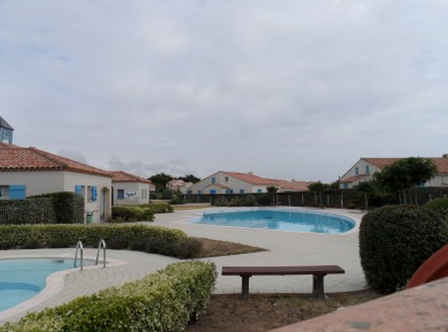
(264, 312)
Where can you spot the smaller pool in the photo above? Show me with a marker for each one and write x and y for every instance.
(21, 279)
(284, 220)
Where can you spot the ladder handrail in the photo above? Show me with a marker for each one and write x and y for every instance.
(101, 245)
(79, 248)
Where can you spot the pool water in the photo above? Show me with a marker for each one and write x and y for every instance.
(285, 220)
(21, 279)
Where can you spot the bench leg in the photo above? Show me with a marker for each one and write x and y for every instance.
(318, 287)
(245, 287)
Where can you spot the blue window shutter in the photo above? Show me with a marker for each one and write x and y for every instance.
(199, 192)
(78, 190)
(17, 192)
(241, 191)
(94, 194)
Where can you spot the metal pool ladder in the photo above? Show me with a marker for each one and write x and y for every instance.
(80, 249)
(101, 245)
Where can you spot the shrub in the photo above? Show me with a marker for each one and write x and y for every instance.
(235, 202)
(221, 201)
(167, 193)
(249, 200)
(164, 301)
(264, 200)
(27, 211)
(131, 214)
(162, 240)
(159, 207)
(439, 205)
(395, 240)
(68, 207)
(189, 248)
(177, 200)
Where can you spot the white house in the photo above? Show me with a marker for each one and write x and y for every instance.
(180, 185)
(243, 183)
(29, 171)
(366, 167)
(129, 189)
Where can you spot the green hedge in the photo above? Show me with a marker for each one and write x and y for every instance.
(395, 240)
(159, 207)
(68, 207)
(27, 211)
(151, 239)
(164, 301)
(439, 205)
(131, 214)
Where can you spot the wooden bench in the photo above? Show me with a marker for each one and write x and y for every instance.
(318, 272)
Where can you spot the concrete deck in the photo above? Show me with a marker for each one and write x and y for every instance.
(284, 248)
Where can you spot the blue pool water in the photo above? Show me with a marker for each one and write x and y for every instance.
(285, 220)
(21, 279)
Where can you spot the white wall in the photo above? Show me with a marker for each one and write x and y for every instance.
(226, 180)
(141, 191)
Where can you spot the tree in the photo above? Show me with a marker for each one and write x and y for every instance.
(160, 180)
(317, 188)
(190, 178)
(272, 190)
(404, 174)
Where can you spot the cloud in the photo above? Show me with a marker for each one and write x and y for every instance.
(280, 88)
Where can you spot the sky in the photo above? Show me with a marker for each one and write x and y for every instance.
(287, 89)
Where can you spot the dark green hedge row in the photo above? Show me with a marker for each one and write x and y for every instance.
(28, 211)
(395, 240)
(159, 207)
(68, 207)
(151, 239)
(164, 301)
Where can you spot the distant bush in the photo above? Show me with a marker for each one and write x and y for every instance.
(439, 205)
(236, 201)
(249, 200)
(177, 200)
(221, 201)
(265, 200)
(164, 301)
(131, 214)
(167, 193)
(395, 240)
(158, 207)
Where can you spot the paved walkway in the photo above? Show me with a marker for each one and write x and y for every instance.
(283, 248)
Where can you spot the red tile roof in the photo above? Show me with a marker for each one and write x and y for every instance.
(441, 163)
(354, 178)
(258, 180)
(121, 176)
(15, 158)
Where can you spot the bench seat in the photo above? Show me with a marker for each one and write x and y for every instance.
(318, 272)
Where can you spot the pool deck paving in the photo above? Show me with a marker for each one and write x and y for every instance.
(283, 248)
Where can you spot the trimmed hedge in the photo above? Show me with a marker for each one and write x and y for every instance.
(27, 211)
(151, 239)
(68, 207)
(131, 214)
(159, 207)
(164, 301)
(439, 205)
(395, 240)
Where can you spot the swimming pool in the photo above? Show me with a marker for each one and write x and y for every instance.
(21, 279)
(284, 220)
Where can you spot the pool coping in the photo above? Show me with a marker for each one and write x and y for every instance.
(54, 282)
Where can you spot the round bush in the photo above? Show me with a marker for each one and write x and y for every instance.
(395, 240)
(439, 205)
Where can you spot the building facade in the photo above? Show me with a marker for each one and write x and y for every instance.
(364, 169)
(129, 189)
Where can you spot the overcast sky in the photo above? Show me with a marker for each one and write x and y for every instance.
(288, 89)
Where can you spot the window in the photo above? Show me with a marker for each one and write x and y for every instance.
(92, 193)
(227, 179)
(199, 192)
(80, 190)
(356, 170)
(120, 193)
(345, 185)
(259, 191)
(241, 191)
(4, 192)
(213, 180)
(212, 192)
(367, 169)
(229, 191)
